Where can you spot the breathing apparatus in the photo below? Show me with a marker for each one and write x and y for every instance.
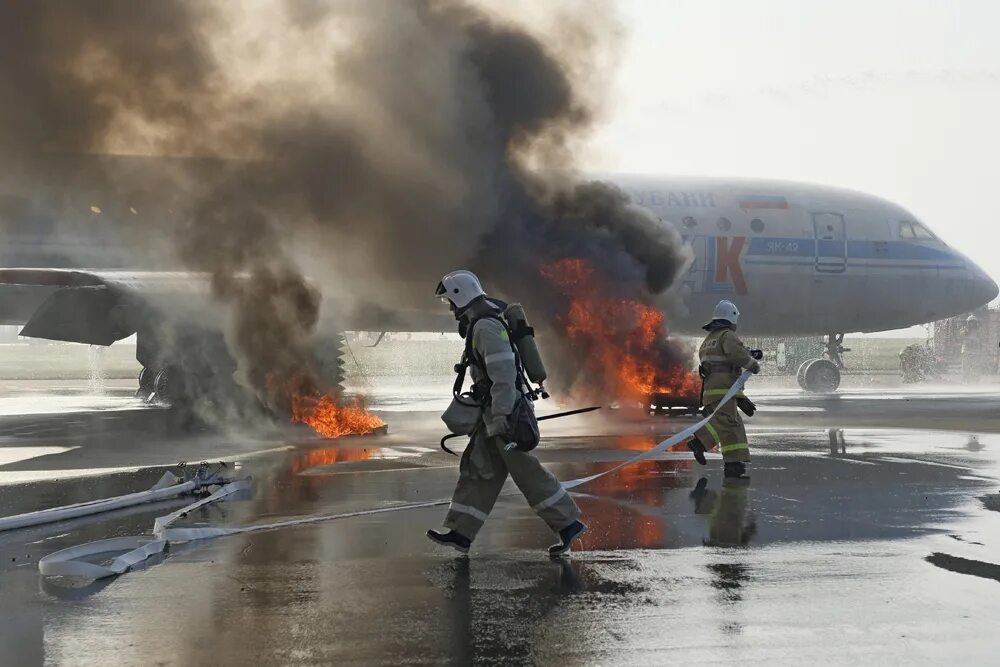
(527, 359)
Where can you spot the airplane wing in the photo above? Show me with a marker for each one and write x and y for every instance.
(94, 307)
(99, 307)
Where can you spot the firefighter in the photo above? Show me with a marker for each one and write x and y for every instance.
(723, 357)
(972, 351)
(490, 458)
(912, 363)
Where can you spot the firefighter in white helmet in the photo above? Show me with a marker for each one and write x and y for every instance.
(723, 357)
(498, 386)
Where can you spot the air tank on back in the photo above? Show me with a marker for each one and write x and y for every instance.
(524, 339)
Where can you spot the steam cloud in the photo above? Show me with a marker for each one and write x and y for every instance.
(371, 145)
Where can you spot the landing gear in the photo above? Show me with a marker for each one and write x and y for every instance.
(169, 387)
(147, 376)
(822, 376)
(188, 369)
(191, 370)
(835, 349)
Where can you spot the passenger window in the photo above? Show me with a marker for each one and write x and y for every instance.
(689, 222)
(724, 224)
(757, 225)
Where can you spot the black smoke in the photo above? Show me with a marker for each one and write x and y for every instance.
(371, 145)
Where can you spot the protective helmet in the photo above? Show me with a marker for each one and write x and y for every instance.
(460, 287)
(726, 310)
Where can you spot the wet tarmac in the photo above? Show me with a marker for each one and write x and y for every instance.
(868, 533)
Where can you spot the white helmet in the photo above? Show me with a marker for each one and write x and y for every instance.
(726, 310)
(460, 287)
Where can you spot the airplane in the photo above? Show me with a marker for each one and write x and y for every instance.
(798, 259)
(808, 260)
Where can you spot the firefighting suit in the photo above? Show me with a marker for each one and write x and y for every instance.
(487, 460)
(723, 357)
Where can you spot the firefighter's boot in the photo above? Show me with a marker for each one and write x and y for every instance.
(456, 541)
(735, 470)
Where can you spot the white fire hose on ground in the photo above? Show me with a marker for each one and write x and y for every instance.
(68, 562)
(169, 486)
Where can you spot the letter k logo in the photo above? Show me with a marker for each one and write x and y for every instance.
(727, 262)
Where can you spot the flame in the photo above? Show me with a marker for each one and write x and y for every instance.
(327, 413)
(332, 419)
(621, 339)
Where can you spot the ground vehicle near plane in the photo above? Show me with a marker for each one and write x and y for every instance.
(798, 260)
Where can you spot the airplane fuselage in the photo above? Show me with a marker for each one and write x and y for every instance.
(797, 259)
(808, 260)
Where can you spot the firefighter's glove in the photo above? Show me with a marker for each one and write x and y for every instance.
(757, 354)
(497, 426)
(754, 366)
(746, 405)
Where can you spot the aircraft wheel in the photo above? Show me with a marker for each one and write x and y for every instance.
(819, 376)
(147, 381)
(169, 386)
(800, 375)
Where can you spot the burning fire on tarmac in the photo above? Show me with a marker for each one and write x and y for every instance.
(622, 340)
(332, 419)
(328, 414)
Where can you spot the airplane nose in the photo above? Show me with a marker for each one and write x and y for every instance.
(984, 289)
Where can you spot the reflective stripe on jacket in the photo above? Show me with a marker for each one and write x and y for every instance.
(493, 360)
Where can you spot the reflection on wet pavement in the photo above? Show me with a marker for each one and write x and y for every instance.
(883, 536)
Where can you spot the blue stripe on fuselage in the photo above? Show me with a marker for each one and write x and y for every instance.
(879, 250)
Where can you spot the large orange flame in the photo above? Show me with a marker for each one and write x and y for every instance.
(621, 339)
(326, 412)
(332, 419)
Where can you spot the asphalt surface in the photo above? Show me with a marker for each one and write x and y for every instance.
(867, 533)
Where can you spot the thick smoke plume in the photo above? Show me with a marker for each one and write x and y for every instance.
(371, 145)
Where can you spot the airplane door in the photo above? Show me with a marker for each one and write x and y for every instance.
(831, 242)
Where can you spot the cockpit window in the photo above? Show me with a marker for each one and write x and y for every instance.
(914, 230)
(922, 232)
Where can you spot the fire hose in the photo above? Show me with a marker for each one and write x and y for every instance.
(69, 562)
(168, 486)
(675, 439)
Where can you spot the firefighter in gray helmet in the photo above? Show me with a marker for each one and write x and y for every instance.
(723, 357)
(498, 385)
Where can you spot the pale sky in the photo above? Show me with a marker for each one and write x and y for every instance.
(898, 98)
